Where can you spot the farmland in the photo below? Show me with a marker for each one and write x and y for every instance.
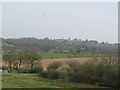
(58, 64)
(53, 55)
(66, 55)
(59, 45)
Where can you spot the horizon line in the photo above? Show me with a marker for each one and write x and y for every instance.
(59, 38)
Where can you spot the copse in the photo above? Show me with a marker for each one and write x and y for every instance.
(16, 59)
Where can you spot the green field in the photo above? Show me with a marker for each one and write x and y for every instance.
(15, 80)
(62, 55)
(53, 55)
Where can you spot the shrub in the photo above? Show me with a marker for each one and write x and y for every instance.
(24, 70)
(52, 74)
(12, 70)
(110, 77)
(60, 70)
(43, 74)
(4, 68)
(86, 74)
(63, 71)
(103, 71)
(74, 65)
(36, 70)
(54, 65)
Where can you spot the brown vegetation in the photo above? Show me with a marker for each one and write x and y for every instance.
(46, 62)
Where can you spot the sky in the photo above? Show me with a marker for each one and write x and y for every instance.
(82, 20)
(0, 19)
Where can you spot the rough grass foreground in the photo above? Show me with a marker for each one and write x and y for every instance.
(15, 80)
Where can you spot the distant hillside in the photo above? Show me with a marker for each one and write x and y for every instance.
(59, 46)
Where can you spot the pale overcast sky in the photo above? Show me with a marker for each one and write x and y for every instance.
(84, 20)
(0, 19)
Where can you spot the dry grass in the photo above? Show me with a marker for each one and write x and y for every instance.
(46, 62)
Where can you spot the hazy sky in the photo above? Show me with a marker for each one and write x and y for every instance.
(0, 19)
(93, 21)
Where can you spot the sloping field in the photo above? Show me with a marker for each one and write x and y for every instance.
(46, 62)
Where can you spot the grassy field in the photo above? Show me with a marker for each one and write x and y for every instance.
(53, 55)
(62, 55)
(15, 80)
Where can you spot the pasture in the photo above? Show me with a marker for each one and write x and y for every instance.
(15, 80)
(66, 55)
(53, 55)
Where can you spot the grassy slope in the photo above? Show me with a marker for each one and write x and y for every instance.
(15, 80)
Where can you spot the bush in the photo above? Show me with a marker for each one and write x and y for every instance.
(74, 65)
(63, 71)
(24, 70)
(54, 65)
(36, 70)
(60, 70)
(103, 72)
(4, 68)
(52, 74)
(86, 74)
(13, 70)
(110, 77)
(43, 74)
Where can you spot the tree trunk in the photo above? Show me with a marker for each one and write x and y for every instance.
(32, 66)
(10, 66)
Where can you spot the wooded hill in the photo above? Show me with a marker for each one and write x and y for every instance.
(59, 46)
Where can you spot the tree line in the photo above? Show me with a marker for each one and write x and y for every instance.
(77, 46)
